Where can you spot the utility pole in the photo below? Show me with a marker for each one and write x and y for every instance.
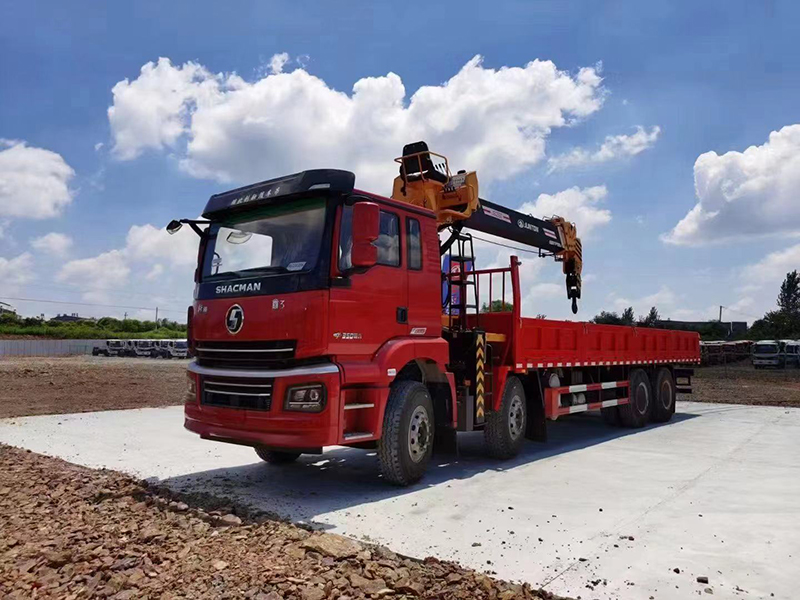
(125, 316)
(156, 317)
(720, 312)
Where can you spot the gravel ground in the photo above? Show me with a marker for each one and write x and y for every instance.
(71, 532)
(45, 386)
(740, 383)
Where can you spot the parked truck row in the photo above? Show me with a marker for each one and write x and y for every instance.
(178, 348)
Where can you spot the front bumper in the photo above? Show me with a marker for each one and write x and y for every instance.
(276, 427)
(766, 362)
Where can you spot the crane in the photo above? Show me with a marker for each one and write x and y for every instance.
(425, 180)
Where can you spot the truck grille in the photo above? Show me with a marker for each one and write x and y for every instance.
(231, 355)
(248, 394)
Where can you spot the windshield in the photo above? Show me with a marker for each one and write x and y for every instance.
(115, 344)
(181, 345)
(765, 349)
(144, 344)
(276, 238)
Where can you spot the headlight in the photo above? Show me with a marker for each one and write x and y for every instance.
(305, 398)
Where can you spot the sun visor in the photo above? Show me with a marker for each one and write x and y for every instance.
(317, 182)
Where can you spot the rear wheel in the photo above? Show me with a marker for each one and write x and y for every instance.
(276, 457)
(505, 428)
(636, 412)
(663, 396)
(406, 443)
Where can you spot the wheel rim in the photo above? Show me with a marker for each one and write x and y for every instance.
(641, 398)
(516, 417)
(419, 434)
(666, 394)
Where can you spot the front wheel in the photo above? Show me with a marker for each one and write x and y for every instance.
(276, 457)
(406, 443)
(505, 428)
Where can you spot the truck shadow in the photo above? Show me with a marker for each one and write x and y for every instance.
(345, 478)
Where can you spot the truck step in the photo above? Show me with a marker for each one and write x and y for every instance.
(349, 437)
(358, 406)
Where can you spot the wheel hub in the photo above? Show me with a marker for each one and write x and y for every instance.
(516, 418)
(419, 434)
(641, 398)
(666, 394)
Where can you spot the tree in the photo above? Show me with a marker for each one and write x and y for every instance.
(651, 320)
(497, 306)
(627, 316)
(607, 318)
(789, 295)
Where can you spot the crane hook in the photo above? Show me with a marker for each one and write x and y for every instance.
(574, 306)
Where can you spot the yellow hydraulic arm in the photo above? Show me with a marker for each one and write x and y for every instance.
(425, 180)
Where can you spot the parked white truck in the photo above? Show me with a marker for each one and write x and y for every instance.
(138, 348)
(108, 348)
(171, 349)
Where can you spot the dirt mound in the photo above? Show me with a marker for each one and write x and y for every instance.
(73, 532)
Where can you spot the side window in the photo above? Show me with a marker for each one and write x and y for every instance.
(346, 239)
(413, 244)
(388, 241)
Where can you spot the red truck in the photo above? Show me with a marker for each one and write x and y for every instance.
(322, 317)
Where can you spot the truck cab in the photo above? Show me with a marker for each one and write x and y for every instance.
(171, 349)
(769, 353)
(310, 297)
(115, 347)
(140, 348)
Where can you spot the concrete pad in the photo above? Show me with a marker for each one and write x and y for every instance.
(596, 512)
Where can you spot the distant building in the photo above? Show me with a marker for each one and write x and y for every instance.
(73, 318)
(733, 327)
(7, 309)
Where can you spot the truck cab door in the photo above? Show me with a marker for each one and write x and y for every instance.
(370, 308)
(424, 277)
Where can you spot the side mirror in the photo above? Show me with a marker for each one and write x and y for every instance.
(174, 226)
(366, 229)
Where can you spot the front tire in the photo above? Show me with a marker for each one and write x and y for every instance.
(636, 412)
(276, 457)
(406, 444)
(505, 428)
(663, 396)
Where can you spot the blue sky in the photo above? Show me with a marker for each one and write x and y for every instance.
(712, 77)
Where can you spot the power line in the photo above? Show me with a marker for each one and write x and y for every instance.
(88, 304)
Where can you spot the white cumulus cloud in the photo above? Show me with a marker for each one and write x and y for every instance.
(614, 146)
(150, 260)
(34, 182)
(745, 194)
(772, 268)
(15, 272)
(229, 129)
(579, 205)
(96, 275)
(57, 244)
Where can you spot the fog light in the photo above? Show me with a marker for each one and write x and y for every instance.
(305, 398)
(191, 387)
